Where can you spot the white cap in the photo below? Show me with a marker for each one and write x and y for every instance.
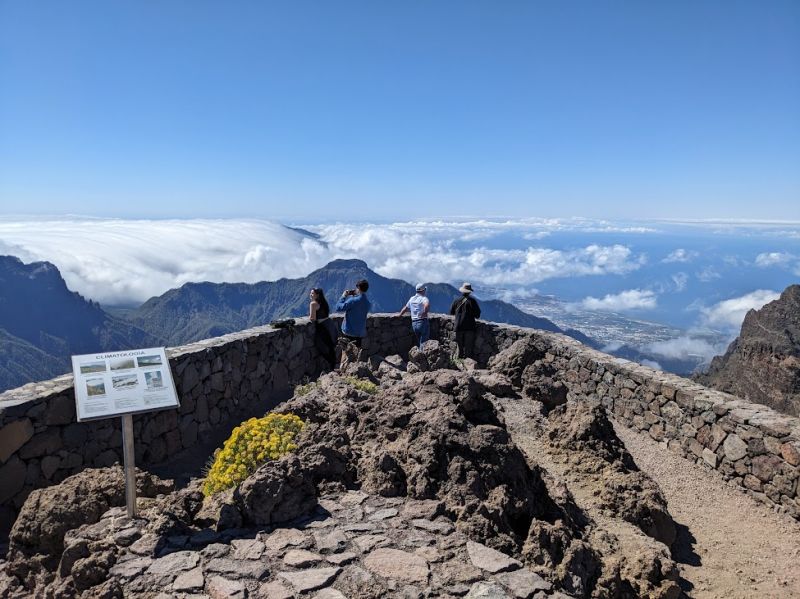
(421, 287)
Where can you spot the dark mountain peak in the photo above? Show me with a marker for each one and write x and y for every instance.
(196, 311)
(306, 233)
(763, 362)
(13, 266)
(346, 263)
(7, 262)
(46, 322)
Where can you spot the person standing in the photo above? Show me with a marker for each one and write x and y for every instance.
(325, 333)
(356, 306)
(466, 310)
(418, 306)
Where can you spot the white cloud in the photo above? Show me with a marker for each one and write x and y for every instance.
(685, 347)
(729, 314)
(631, 299)
(116, 261)
(680, 279)
(780, 260)
(681, 255)
(119, 261)
(708, 274)
(651, 364)
(435, 251)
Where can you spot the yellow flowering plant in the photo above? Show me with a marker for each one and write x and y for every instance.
(252, 443)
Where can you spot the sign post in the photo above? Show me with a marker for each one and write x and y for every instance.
(129, 464)
(123, 384)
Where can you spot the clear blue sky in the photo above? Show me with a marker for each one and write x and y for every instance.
(357, 110)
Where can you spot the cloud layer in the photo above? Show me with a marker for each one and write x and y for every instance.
(729, 314)
(121, 261)
(116, 261)
(631, 299)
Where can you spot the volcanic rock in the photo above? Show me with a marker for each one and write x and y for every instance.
(583, 429)
(763, 363)
(80, 499)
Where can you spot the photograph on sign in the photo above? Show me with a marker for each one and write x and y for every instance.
(91, 367)
(95, 387)
(148, 361)
(154, 379)
(123, 364)
(125, 382)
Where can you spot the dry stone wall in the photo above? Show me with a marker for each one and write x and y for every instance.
(752, 446)
(217, 380)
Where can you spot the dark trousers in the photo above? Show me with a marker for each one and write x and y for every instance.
(466, 344)
(325, 341)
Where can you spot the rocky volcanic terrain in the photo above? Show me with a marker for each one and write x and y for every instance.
(419, 489)
(763, 363)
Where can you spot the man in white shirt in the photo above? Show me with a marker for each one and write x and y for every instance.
(418, 306)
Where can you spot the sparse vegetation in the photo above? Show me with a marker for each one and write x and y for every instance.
(252, 443)
(362, 385)
(456, 362)
(304, 388)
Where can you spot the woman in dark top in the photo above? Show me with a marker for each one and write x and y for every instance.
(326, 332)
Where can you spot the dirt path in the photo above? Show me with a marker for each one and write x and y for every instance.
(730, 546)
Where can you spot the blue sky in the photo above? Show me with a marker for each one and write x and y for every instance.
(325, 110)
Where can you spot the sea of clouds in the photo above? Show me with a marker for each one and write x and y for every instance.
(125, 262)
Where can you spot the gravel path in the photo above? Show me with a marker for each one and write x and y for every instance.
(730, 546)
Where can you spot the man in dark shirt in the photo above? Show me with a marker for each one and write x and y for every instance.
(466, 310)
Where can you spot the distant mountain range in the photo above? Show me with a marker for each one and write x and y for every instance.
(763, 362)
(43, 323)
(200, 310)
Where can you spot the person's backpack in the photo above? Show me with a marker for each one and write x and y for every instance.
(464, 308)
(282, 324)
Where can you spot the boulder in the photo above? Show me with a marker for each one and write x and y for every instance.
(279, 491)
(80, 499)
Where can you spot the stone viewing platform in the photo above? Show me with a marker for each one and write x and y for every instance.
(413, 474)
(221, 379)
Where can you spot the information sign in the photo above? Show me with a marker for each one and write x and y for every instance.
(126, 382)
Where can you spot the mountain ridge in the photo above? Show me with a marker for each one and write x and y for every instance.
(43, 323)
(763, 363)
(188, 313)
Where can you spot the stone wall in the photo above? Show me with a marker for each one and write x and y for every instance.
(750, 445)
(217, 380)
(753, 447)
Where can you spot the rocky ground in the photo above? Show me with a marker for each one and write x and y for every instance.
(429, 484)
(729, 545)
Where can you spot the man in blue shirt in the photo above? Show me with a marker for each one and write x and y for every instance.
(356, 306)
(419, 305)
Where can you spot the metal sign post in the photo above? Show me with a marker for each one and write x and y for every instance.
(129, 464)
(124, 383)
